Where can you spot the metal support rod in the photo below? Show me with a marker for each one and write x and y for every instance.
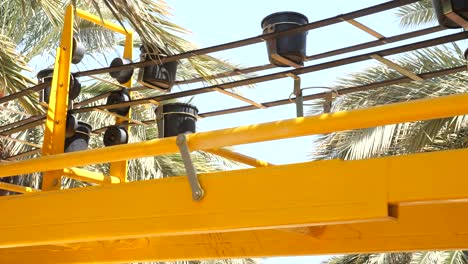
(90, 176)
(366, 29)
(396, 67)
(239, 97)
(327, 105)
(225, 153)
(103, 23)
(160, 120)
(299, 99)
(197, 191)
(17, 188)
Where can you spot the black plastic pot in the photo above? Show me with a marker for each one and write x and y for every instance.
(115, 135)
(117, 97)
(293, 46)
(179, 118)
(160, 76)
(122, 76)
(459, 7)
(71, 125)
(75, 88)
(80, 140)
(45, 76)
(78, 51)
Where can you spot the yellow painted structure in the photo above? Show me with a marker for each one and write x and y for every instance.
(119, 168)
(54, 134)
(231, 155)
(397, 203)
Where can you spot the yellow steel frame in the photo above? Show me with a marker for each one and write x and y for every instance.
(424, 109)
(119, 168)
(398, 203)
(54, 136)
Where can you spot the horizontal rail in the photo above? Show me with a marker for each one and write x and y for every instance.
(417, 110)
(284, 74)
(253, 40)
(321, 23)
(366, 87)
(17, 188)
(234, 156)
(418, 228)
(357, 47)
(343, 91)
(101, 22)
(329, 192)
(89, 176)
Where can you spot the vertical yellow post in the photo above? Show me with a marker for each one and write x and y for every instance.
(119, 168)
(54, 135)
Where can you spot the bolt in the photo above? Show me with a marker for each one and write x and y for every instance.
(197, 195)
(55, 182)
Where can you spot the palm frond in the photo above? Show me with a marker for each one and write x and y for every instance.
(348, 259)
(416, 14)
(12, 79)
(402, 138)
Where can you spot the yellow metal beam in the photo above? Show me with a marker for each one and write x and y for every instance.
(419, 227)
(225, 153)
(117, 168)
(423, 109)
(54, 134)
(104, 23)
(283, 196)
(17, 188)
(89, 176)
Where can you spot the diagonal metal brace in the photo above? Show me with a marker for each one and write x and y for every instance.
(197, 191)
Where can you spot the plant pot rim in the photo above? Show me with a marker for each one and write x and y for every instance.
(182, 104)
(45, 73)
(284, 13)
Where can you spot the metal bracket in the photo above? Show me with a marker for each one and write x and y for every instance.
(299, 101)
(160, 120)
(197, 191)
(327, 105)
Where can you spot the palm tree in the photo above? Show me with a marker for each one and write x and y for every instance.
(439, 134)
(31, 29)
